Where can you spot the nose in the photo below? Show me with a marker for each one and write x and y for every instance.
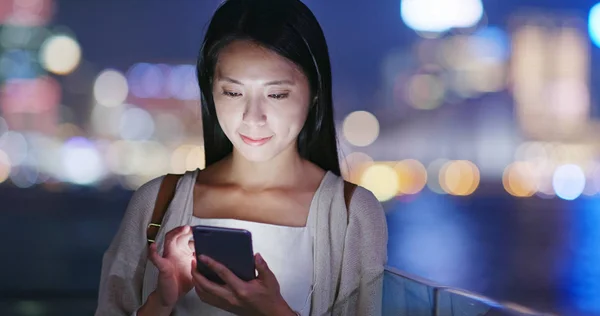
(254, 114)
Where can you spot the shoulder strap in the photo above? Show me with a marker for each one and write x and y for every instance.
(348, 191)
(165, 195)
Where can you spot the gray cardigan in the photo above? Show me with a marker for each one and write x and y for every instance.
(350, 250)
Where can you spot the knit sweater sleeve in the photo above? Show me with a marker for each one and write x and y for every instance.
(124, 262)
(360, 290)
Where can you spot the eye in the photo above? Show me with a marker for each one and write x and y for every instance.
(279, 96)
(231, 94)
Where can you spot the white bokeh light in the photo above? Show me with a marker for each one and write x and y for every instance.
(60, 54)
(568, 182)
(111, 88)
(15, 146)
(440, 15)
(82, 163)
(136, 124)
(361, 128)
(182, 83)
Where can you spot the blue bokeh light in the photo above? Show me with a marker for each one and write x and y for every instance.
(594, 24)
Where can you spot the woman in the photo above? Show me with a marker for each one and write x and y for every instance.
(272, 168)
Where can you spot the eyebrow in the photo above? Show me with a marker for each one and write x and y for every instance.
(270, 83)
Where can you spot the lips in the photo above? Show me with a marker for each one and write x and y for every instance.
(255, 141)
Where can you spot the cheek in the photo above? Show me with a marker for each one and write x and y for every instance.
(291, 118)
(228, 116)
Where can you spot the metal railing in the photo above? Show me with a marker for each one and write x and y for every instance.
(405, 294)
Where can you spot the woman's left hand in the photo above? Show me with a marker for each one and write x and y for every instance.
(260, 296)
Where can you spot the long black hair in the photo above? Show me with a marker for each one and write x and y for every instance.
(290, 29)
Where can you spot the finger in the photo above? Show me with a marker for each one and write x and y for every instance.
(206, 286)
(224, 273)
(203, 294)
(159, 262)
(264, 273)
(207, 297)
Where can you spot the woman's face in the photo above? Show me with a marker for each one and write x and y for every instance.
(261, 100)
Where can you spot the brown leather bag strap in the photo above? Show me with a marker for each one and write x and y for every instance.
(349, 188)
(163, 199)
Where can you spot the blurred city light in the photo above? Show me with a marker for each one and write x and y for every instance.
(361, 128)
(182, 83)
(5, 166)
(381, 179)
(123, 157)
(490, 44)
(459, 177)
(544, 63)
(433, 175)
(519, 179)
(15, 146)
(24, 176)
(550, 70)
(353, 165)
(60, 54)
(17, 64)
(195, 158)
(594, 24)
(169, 128)
(412, 176)
(425, 91)
(3, 126)
(148, 80)
(27, 13)
(106, 121)
(81, 161)
(110, 88)
(187, 158)
(136, 124)
(568, 181)
(440, 15)
(156, 159)
(40, 95)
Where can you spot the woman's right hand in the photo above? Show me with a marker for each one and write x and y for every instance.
(174, 266)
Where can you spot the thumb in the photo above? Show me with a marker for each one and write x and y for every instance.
(264, 273)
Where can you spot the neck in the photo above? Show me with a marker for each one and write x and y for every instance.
(283, 170)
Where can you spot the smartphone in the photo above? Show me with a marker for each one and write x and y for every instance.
(230, 246)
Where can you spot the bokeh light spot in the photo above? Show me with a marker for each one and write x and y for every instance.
(381, 179)
(460, 177)
(568, 181)
(60, 54)
(361, 128)
(110, 88)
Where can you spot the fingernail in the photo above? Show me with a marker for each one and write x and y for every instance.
(259, 258)
(203, 258)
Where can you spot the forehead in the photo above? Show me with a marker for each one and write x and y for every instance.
(246, 60)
